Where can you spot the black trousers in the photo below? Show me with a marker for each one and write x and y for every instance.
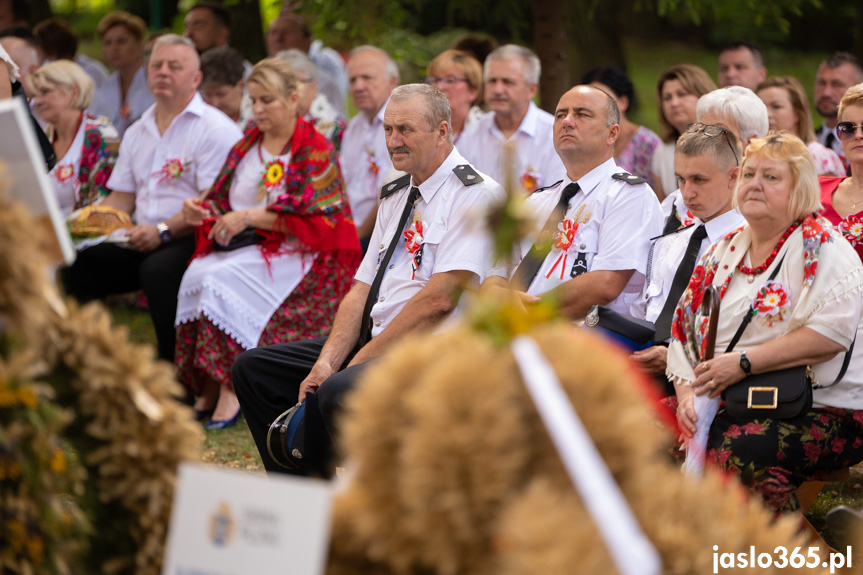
(267, 381)
(108, 269)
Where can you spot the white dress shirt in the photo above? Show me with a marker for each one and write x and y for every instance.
(108, 100)
(482, 144)
(615, 223)
(666, 255)
(363, 145)
(200, 138)
(453, 238)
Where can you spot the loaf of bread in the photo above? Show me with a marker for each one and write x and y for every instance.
(97, 220)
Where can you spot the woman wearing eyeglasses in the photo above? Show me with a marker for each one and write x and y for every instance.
(459, 76)
(842, 197)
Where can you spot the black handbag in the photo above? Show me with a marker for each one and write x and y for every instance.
(780, 394)
(635, 334)
(247, 237)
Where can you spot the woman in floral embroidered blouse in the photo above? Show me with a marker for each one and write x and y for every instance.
(62, 91)
(788, 109)
(276, 247)
(842, 197)
(807, 315)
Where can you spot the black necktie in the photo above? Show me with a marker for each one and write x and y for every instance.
(679, 283)
(526, 270)
(828, 141)
(365, 326)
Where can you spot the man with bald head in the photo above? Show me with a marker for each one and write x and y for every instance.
(372, 75)
(611, 216)
(174, 152)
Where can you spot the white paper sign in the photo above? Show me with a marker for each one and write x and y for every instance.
(227, 522)
(25, 167)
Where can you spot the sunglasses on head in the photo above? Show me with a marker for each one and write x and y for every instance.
(847, 130)
(712, 130)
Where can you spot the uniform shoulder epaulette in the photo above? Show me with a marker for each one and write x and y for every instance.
(671, 232)
(554, 185)
(467, 174)
(395, 185)
(629, 178)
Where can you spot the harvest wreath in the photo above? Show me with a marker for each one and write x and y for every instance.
(91, 429)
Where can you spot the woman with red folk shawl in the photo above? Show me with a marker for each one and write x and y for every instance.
(276, 246)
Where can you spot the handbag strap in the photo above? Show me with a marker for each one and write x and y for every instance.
(748, 318)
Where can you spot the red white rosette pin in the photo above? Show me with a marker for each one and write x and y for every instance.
(64, 172)
(852, 230)
(172, 170)
(563, 238)
(771, 303)
(414, 245)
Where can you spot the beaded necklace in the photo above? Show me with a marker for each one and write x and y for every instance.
(752, 272)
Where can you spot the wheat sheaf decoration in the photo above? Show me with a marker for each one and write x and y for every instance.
(91, 429)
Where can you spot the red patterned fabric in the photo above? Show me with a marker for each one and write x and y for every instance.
(204, 351)
(314, 210)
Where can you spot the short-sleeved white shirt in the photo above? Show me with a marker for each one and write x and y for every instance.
(454, 237)
(482, 144)
(200, 137)
(365, 162)
(108, 100)
(615, 223)
(665, 257)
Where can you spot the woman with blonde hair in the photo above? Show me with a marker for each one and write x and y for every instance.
(788, 109)
(62, 91)
(677, 93)
(789, 291)
(459, 76)
(276, 247)
(842, 197)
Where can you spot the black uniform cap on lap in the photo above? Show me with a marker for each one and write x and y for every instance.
(629, 178)
(395, 185)
(467, 174)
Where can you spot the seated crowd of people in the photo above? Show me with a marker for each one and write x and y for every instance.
(283, 248)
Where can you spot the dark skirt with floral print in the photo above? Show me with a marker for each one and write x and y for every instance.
(774, 457)
(204, 351)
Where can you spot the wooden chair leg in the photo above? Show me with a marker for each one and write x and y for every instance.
(807, 493)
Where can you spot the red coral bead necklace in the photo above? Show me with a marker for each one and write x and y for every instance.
(752, 272)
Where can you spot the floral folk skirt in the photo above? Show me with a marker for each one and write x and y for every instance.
(204, 351)
(774, 457)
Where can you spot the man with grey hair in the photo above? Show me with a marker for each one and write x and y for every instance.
(427, 247)
(314, 106)
(24, 55)
(511, 76)
(738, 110)
(599, 219)
(174, 152)
(372, 75)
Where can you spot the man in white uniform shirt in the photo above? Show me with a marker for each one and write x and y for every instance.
(736, 109)
(604, 217)
(364, 159)
(174, 152)
(511, 76)
(427, 246)
(706, 163)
